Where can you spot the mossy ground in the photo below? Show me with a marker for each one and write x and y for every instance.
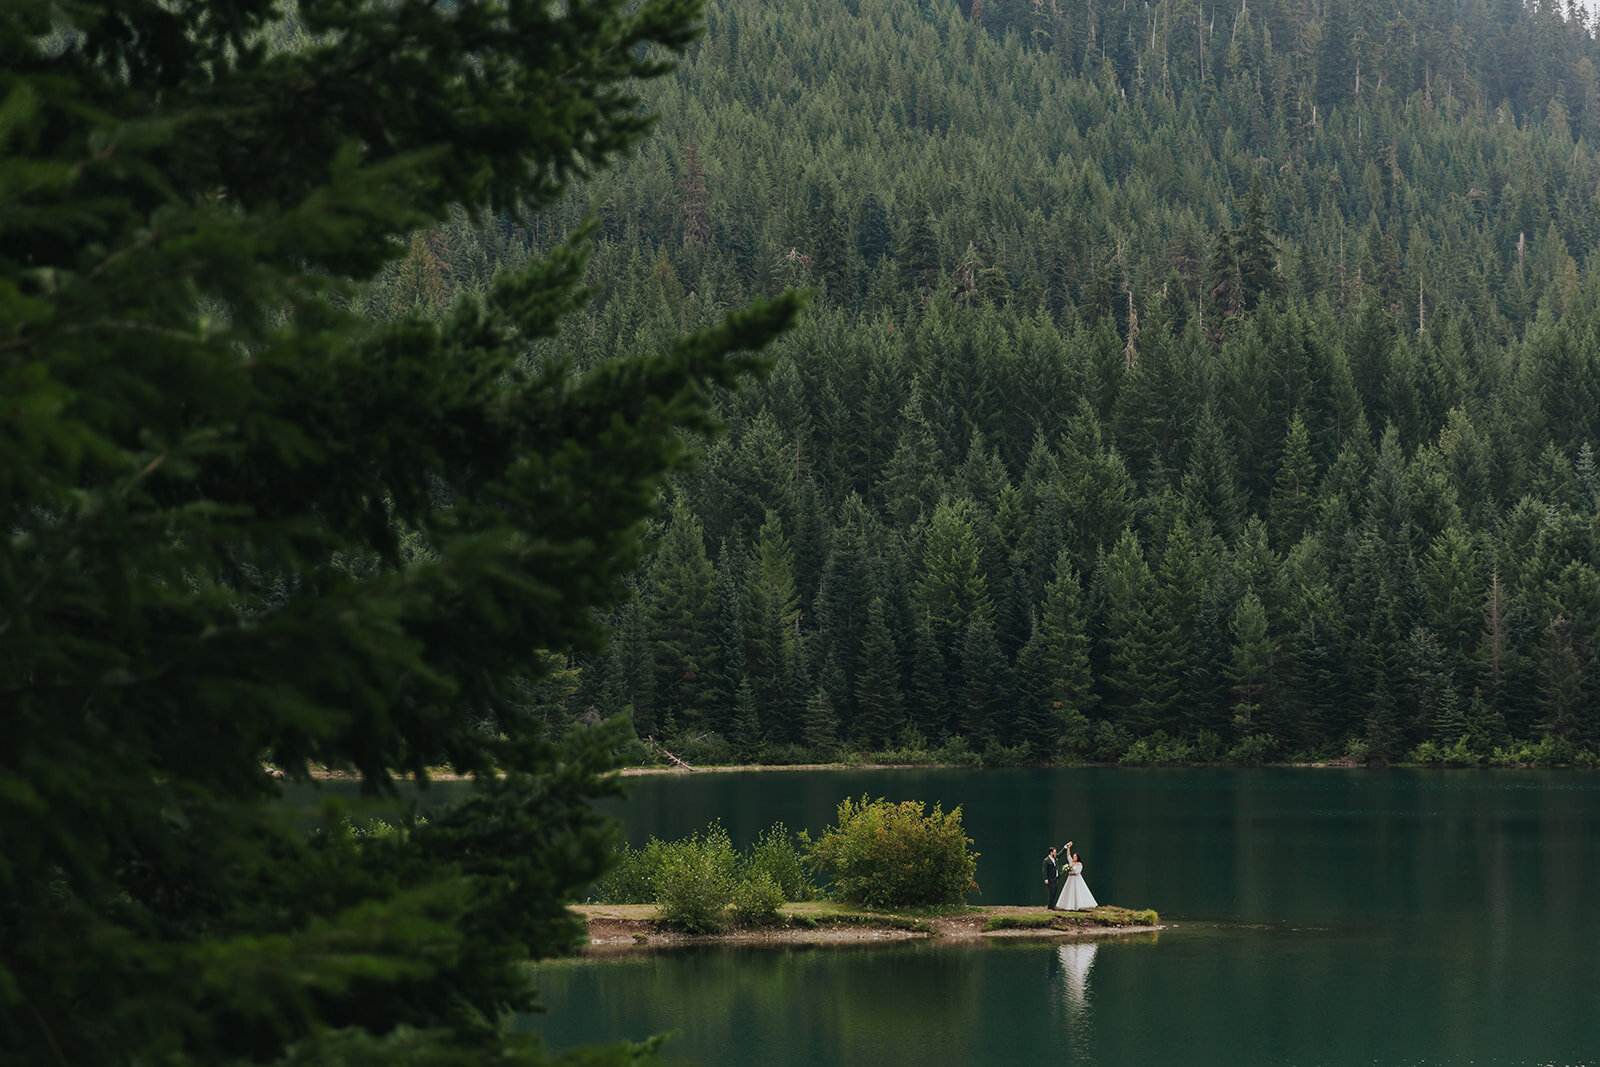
(1105, 915)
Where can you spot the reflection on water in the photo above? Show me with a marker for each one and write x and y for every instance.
(1342, 917)
(1074, 961)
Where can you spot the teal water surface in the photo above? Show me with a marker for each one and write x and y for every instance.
(1315, 916)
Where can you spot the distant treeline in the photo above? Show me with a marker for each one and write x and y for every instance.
(1183, 383)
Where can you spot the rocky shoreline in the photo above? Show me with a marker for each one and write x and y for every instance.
(617, 928)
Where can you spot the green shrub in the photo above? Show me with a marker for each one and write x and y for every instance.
(787, 755)
(1548, 751)
(632, 878)
(893, 855)
(905, 757)
(694, 884)
(1157, 748)
(1108, 741)
(776, 854)
(1257, 748)
(1458, 753)
(756, 900)
(381, 831)
(909, 747)
(1207, 747)
(997, 755)
(1462, 753)
(956, 753)
(705, 750)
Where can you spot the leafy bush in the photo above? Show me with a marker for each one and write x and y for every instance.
(776, 855)
(756, 900)
(787, 755)
(705, 750)
(1077, 736)
(1157, 748)
(1207, 747)
(893, 855)
(1427, 752)
(1458, 753)
(1548, 751)
(694, 884)
(955, 752)
(1257, 748)
(375, 832)
(997, 755)
(910, 749)
(636, 875)
(632, 878)
(1108, 741)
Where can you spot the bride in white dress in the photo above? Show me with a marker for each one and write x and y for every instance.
(1075, 895)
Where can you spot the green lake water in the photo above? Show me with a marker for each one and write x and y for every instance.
(1315, 916)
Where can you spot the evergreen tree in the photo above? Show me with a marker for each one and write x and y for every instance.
(985, 684)
(919, 245)
(1140, 683)
(419, 283)
(929, 693)
(1181, 577)
(880, 710)
(830, 250)
(1096, 491)
(1429, 685)
(874, 233)
(911, 480)
(682, 610)
(243, 522)
(1213, 499)
(1252, 665)
(849, 584)
(1293, 491)
(748, 735)
(1055, 686)
(820, 727)
(1244, 265)
(952, 591)
(771, 627)
(1453, 581)
(1561, 681)
(635, 659)
(730, 571)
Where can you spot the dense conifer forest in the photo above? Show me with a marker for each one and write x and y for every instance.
(1182, 382)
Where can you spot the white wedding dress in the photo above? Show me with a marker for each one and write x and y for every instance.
(1076, 957)
(1075, 895)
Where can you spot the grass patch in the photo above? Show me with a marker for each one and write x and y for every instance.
(888, 922)
(1048, 921)
(817, 913)
(1105, 915)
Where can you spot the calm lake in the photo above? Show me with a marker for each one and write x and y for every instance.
(1315, 916)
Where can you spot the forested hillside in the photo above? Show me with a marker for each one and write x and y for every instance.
(1183, 381)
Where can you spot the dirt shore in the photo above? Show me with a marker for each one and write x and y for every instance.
(324, 774)
(439, 774)
(626, 927)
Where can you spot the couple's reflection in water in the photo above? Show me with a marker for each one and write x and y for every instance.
(1074, 960)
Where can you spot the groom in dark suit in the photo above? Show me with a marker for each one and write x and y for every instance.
(1052, 875)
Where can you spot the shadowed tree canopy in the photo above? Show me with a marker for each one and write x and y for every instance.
(241, 520)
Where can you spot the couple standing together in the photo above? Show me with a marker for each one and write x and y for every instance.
(1063, 881)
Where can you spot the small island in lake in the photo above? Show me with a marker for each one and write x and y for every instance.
(892, 871)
